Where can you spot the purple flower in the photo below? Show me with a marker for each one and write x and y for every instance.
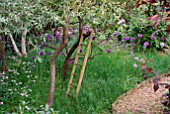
(81, 51)
(41, 53)
(139, 35)
(162, 44)
(152, 37)
(57, 36)
(93, 38)
(133, 38)
(72, 61)
(62, 53)
(115, 34)
(146, 44)
(33, 57)
(70, 29)
(132, 44)
(108, 50)
(49, 53)
(126, 38)
(86, 28)
(48, 37)
(108, 38)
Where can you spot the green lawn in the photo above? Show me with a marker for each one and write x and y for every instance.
(106, 78)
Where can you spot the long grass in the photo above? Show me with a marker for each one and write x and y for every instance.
(106, 78)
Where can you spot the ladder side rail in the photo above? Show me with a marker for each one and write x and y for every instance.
(84, 63)
(75, 62)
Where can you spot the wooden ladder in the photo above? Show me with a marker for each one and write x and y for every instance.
(83, 65)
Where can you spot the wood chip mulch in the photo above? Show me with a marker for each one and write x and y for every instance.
(142, 99)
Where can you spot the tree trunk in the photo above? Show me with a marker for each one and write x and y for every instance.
(52, 66)
(4, 69)
(74, 47)
(23, 42)
(14, 45)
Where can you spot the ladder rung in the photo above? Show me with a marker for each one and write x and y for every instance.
(80, 54)
(73, 84)
(78, 64)
(69, 94)
(83, 44)
(76, 74)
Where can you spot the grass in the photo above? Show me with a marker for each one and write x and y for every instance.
(106, 78)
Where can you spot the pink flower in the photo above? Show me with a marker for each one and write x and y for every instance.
(142, 60)
(135, 65)
(139, 36)
(131, 53)
(146, 44)
(136, 58)
(162, 44)
(152, 37)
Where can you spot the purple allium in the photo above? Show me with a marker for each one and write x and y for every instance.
(93, 38)
(139, 35)
(62, 53)
(152, 37)
(133, 38)
(72, 61)
(48, 37)
(108, 38)
(70, 29)
(57, 36)
(126, 38)
(162, 44)
(135, 65)
(86, 28)
(132, 44)
(33, 57)
(108, 50)
(49, 53)
(146, 44)
(115, 34)
(131, 53)
(81, 51)
(41, 53)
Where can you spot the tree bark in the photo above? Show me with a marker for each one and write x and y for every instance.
(4, 69)
(23, 42)
(74, 47)
(14, 45)
(52, 66)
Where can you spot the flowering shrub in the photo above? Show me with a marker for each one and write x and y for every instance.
(147, 38)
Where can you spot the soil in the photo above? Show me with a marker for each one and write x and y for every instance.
(142, 99)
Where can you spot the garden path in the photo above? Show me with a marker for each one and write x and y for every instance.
(142, 99)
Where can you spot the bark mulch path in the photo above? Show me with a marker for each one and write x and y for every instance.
(141, 100)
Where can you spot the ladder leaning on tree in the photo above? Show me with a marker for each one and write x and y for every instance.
(83, 65)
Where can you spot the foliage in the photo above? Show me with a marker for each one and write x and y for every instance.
(149, 21)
